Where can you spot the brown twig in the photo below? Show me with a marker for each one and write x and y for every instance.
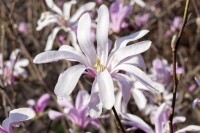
(174, 44)
(118, 120)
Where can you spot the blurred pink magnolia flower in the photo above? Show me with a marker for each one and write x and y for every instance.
(99, 63)
(16, 117)
(175, 26)
(63, 20)
(160, 120)
(118, 14)
(77, 114)
(13, 68)
(196, 101)
(41, 104)
(141, 20)
(23, 28)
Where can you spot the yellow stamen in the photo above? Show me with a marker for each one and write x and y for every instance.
(98, 66)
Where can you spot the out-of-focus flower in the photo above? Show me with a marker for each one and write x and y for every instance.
(41, 104)
(12, 69)
(141, 20)
(23, 28)
(15, 118)
(138, 2)
(62, 18)
(99, 63)
(77, 114)
(160, 120)
(196, 101)
(118, 14)
(175, 26)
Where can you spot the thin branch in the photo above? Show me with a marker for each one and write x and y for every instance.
(118, 120)
(174, 44)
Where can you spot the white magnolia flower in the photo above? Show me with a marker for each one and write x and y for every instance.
(101, 63)
(62, 18)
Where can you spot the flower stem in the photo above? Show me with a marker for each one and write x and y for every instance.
(174, 44)
(118, 120)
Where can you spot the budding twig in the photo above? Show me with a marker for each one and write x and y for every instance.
(118, 120)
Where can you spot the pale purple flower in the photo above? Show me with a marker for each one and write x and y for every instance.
(141, 20)
(41, 104)
(23, 28)
(118, 13)
(160, 120)
(101, 63)
(15, 118)
(196, 101)
(77, 114)
(62, 18)
(175, 26)
(13, 68)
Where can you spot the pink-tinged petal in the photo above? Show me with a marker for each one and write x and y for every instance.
(6, 125)
(120, 105)
(123, 41)
(67, 7)
(179, 119)
(51, 38)
(95, 124)
(95, 104)
(84, 8)
(195, 102)
(126, 84)
(139, 98)
(42, 103)
(82, 99)
(197, 80)
(55, 114)
(128, 51)
(68, 80)
(50, 56)
(106, 89)
(2, 130)
(85, 40)
(135, 121)
(139, 75)
(53, 6)
(190, 128)
(65, 102)
(102, 34)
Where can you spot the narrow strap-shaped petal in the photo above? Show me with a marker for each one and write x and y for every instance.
(82, 100)
(139, 98)
(195, 102)
(51, 38)
(106, 89)
(190, 128)
(2, 130)
(128, 51)
(53, 6)
(42, 102)
(136, 122)
(123, 41)
(68, 80)
(102, 34)
(67, 7)
(84, 38)
(197, 80)
(84, 8)
(140, 75)
(55, 114)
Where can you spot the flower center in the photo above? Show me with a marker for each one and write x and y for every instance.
(63, 21)
(98, 66)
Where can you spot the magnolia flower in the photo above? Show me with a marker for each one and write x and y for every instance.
(160, 120)
(101, 63)
(118, 14)
(12, 69)
(77, 114)
(176, 25)
(23, 28)
(62, 19)
(141, 20)
(196, 101)
(15, 118)
(41, 104)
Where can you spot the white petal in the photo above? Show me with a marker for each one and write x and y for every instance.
(137, 122)
(84, 8)
(82, 100)
(191, 128)
(122, 42)
(139, 98)
(14, 54)
(67, 7)
(84, 38)
(55, 114)
(140, 75)
(102, 33)
(51, 38)
(106, 89)
(53, 6)
(50, 56)
(22, 63)
(195, 102)
(128, 51)
(179, 119)
(140, 2)
(95, 104)
(68, 80)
